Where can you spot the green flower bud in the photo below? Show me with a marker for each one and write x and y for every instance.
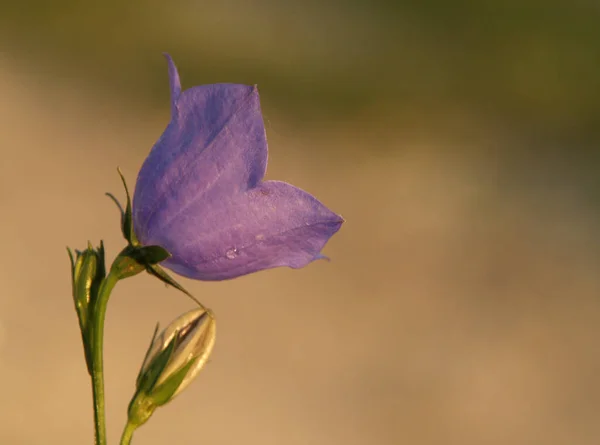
(174, 358)
(87, 272)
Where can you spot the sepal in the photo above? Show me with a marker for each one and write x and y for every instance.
(126, 218)
(135, 259)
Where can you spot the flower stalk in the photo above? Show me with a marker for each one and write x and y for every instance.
(99, 315)
(203, 210)
(127, 433)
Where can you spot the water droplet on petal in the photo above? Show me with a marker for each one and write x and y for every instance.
(232, 253)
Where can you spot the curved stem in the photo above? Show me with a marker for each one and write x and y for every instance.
(127, 434)
(97, 326)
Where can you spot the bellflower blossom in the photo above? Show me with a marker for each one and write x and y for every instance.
(200, 193)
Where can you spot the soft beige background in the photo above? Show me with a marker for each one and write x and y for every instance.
(461, 305)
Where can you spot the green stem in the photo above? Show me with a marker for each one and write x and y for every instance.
(97, 326)
(127, 434)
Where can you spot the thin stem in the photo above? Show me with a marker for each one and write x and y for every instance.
(99, 314)
(127, 434)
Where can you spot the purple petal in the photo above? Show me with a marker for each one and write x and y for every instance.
(215, 143)
(228, 235)
(200, 194)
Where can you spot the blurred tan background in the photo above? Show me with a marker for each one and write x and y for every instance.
(460, 142)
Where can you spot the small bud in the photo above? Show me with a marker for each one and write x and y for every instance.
(87, 272)
(174, 358)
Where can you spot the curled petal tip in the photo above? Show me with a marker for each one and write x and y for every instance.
(320, 256)
(174, 82)
(338, 220)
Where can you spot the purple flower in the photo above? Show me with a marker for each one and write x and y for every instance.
(200, 193)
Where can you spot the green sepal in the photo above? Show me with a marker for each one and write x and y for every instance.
(135, 259)
(127, 263)
(73, 264)
(152, 373)
(128, 219)
(163, 276)
(101, 261)
(139, 377)
(164, 392)
(126, 214)
(150, 255)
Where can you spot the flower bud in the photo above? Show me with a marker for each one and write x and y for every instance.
(173, 359)
(87, 272)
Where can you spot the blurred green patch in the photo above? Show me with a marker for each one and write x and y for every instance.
(534, 65)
